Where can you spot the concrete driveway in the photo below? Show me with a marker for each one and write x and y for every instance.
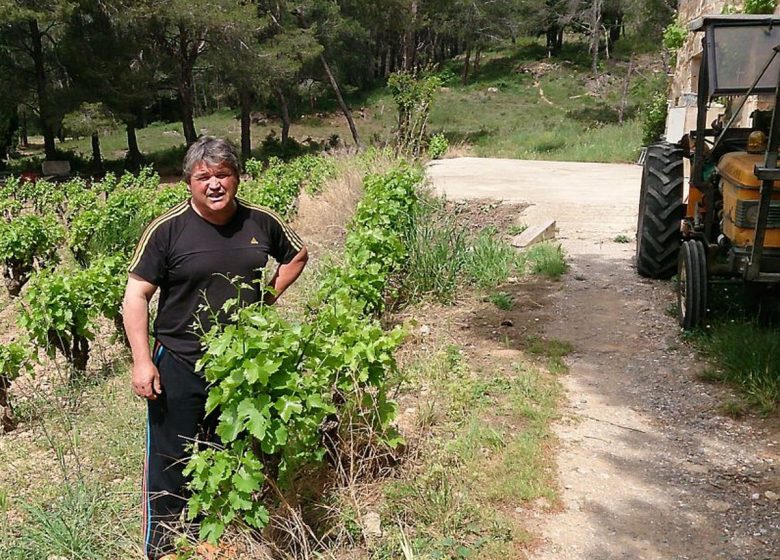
(589, 201)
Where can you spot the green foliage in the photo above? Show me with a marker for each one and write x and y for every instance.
(60, 309)
(747, 356)
(502, 300)
(14, 358)
(113, 226)
(760, 6)
(654, 118)
(546, 259)
(414, 97)
(61, 528)
(274, 382)
(438, 146)
(278, 186)
(29, 239)
(10, 204)
(490, 260)
(621, 238)
(26, 242)
(436, 245)
(674, 36)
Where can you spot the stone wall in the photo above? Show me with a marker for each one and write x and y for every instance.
(682, 99)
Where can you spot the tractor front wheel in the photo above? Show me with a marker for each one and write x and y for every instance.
(692, 284)
(661, 210)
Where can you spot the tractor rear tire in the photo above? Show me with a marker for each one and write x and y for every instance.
(692, 284)
(661, 210)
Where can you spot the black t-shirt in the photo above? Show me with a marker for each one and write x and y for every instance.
(191, 260)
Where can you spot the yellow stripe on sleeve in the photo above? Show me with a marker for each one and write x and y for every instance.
(152, 227)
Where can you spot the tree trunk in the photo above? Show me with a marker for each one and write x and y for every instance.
(477, 60)
(23, 140)
(134, 157)
(344, 109)
(7, 422)
(41, 90)
(410, 42)
(187, 104)
(595, 34)
(15, 276)
(97, 158)
(245, 102)
(466, 64)
(285, 112)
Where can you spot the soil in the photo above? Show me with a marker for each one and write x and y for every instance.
(648, 466)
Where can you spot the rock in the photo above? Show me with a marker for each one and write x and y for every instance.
(492, 90)
(507, 323)
(372, 525)
(718, 506)
(772, 496)
(425, 330)
(535, 234)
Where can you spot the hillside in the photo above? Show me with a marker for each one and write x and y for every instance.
(519, 103)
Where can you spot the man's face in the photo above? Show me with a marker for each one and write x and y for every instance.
(213, 190)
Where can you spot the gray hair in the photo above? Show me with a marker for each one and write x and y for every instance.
(212, 151)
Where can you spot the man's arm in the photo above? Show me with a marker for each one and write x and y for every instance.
(286, 274)
(135, 312)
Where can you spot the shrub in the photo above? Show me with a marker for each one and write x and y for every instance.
(760, 6)
(438, 146)
(654, 118)
(14, 357)
(674, 36)
(27, 242)
(60, 309)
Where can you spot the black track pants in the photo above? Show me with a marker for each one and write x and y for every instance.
(175, 419)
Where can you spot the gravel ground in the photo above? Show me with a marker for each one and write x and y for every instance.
(648, 466)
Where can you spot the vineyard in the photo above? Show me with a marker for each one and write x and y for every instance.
(306, 391)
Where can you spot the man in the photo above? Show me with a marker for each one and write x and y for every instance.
(190, 253)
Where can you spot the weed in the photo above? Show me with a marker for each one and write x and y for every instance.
(73, 525)
(733, 408)
(502, 300)
(436, 246)
(747, 356)
(516, 229)
(553, 350)
(476, 439)
(490, 260)
(546, 259)
(622, 238)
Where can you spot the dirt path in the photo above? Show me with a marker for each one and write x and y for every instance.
(648, 466)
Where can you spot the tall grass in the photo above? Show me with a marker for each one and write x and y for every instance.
(491, 260)
(437, 250)
(746, 355)
(545, 259)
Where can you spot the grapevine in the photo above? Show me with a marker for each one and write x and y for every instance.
(14, 357)
(27, 242)
(274, 383)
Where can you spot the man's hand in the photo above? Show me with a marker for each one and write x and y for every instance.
(146, 380)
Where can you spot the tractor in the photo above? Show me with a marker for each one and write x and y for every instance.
(725, 226)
